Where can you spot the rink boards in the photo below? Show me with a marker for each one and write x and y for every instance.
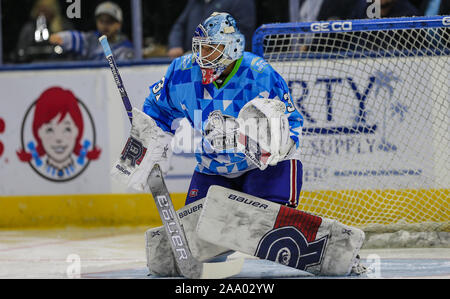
(351, 207)
(34, 192)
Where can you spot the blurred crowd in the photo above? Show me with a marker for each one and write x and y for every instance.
(41, 30)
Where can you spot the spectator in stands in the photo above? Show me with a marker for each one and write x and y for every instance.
(402, 40)
(432, 8)
(180, 38)
(85, 45)
(388, 9)
(323, 10)
(320, 10)
(46, 18)
(398, 8)
(435, 7)
(359, 41)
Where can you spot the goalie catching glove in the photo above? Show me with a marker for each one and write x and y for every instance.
(264, 131)
(147, 145)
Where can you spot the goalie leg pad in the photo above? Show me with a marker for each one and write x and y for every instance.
(288, 236)
(160, 259)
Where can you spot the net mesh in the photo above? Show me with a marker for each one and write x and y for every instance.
(375, 148)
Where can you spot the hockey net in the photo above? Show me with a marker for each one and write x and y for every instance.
(375, 99)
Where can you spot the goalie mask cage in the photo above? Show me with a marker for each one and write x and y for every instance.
(374, 95)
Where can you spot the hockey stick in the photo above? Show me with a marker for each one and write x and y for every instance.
(115, 71)
(187, 264)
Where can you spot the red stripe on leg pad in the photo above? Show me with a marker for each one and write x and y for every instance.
(307, 224)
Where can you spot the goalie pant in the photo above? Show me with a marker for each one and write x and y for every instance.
(230, 220)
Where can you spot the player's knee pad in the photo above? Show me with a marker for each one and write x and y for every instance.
(160, 259)
(255, 226)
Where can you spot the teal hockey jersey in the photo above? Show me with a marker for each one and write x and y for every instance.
(181, 94)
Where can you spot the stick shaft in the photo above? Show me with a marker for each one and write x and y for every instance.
(188, 265)
(117, 78)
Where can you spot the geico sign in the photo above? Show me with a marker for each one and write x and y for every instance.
(446, 21)
(331, 26)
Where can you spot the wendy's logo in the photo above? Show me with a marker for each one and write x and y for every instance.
(58, 136)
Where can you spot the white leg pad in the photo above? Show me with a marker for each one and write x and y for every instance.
(258, 227)
(160, 259)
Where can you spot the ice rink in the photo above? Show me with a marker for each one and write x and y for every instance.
(118, 252)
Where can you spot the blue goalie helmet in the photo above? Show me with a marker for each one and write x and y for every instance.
(217, 42)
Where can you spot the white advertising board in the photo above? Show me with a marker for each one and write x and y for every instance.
(373, 130)
(61, 130)
(362, 130)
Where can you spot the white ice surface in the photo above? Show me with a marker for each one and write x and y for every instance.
(119, 253)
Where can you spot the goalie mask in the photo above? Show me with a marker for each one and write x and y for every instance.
(217, 42)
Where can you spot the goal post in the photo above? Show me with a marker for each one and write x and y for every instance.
(375, 99)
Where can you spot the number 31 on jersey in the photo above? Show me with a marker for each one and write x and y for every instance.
(157, 88)
(290, 107)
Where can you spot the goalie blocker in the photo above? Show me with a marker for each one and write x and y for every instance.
(230, 220)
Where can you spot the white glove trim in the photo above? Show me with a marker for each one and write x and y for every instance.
(147, 145)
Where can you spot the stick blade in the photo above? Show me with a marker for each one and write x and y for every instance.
(222, 269)
(188, 265)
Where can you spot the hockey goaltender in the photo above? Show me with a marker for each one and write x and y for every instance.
(244, 192)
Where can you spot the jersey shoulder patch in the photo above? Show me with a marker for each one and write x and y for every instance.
(258, 64)
(187, 62)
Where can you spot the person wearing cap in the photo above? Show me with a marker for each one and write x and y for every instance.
(195, 11)
(85, 45)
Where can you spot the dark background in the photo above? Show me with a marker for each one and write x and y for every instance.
(158, 17)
